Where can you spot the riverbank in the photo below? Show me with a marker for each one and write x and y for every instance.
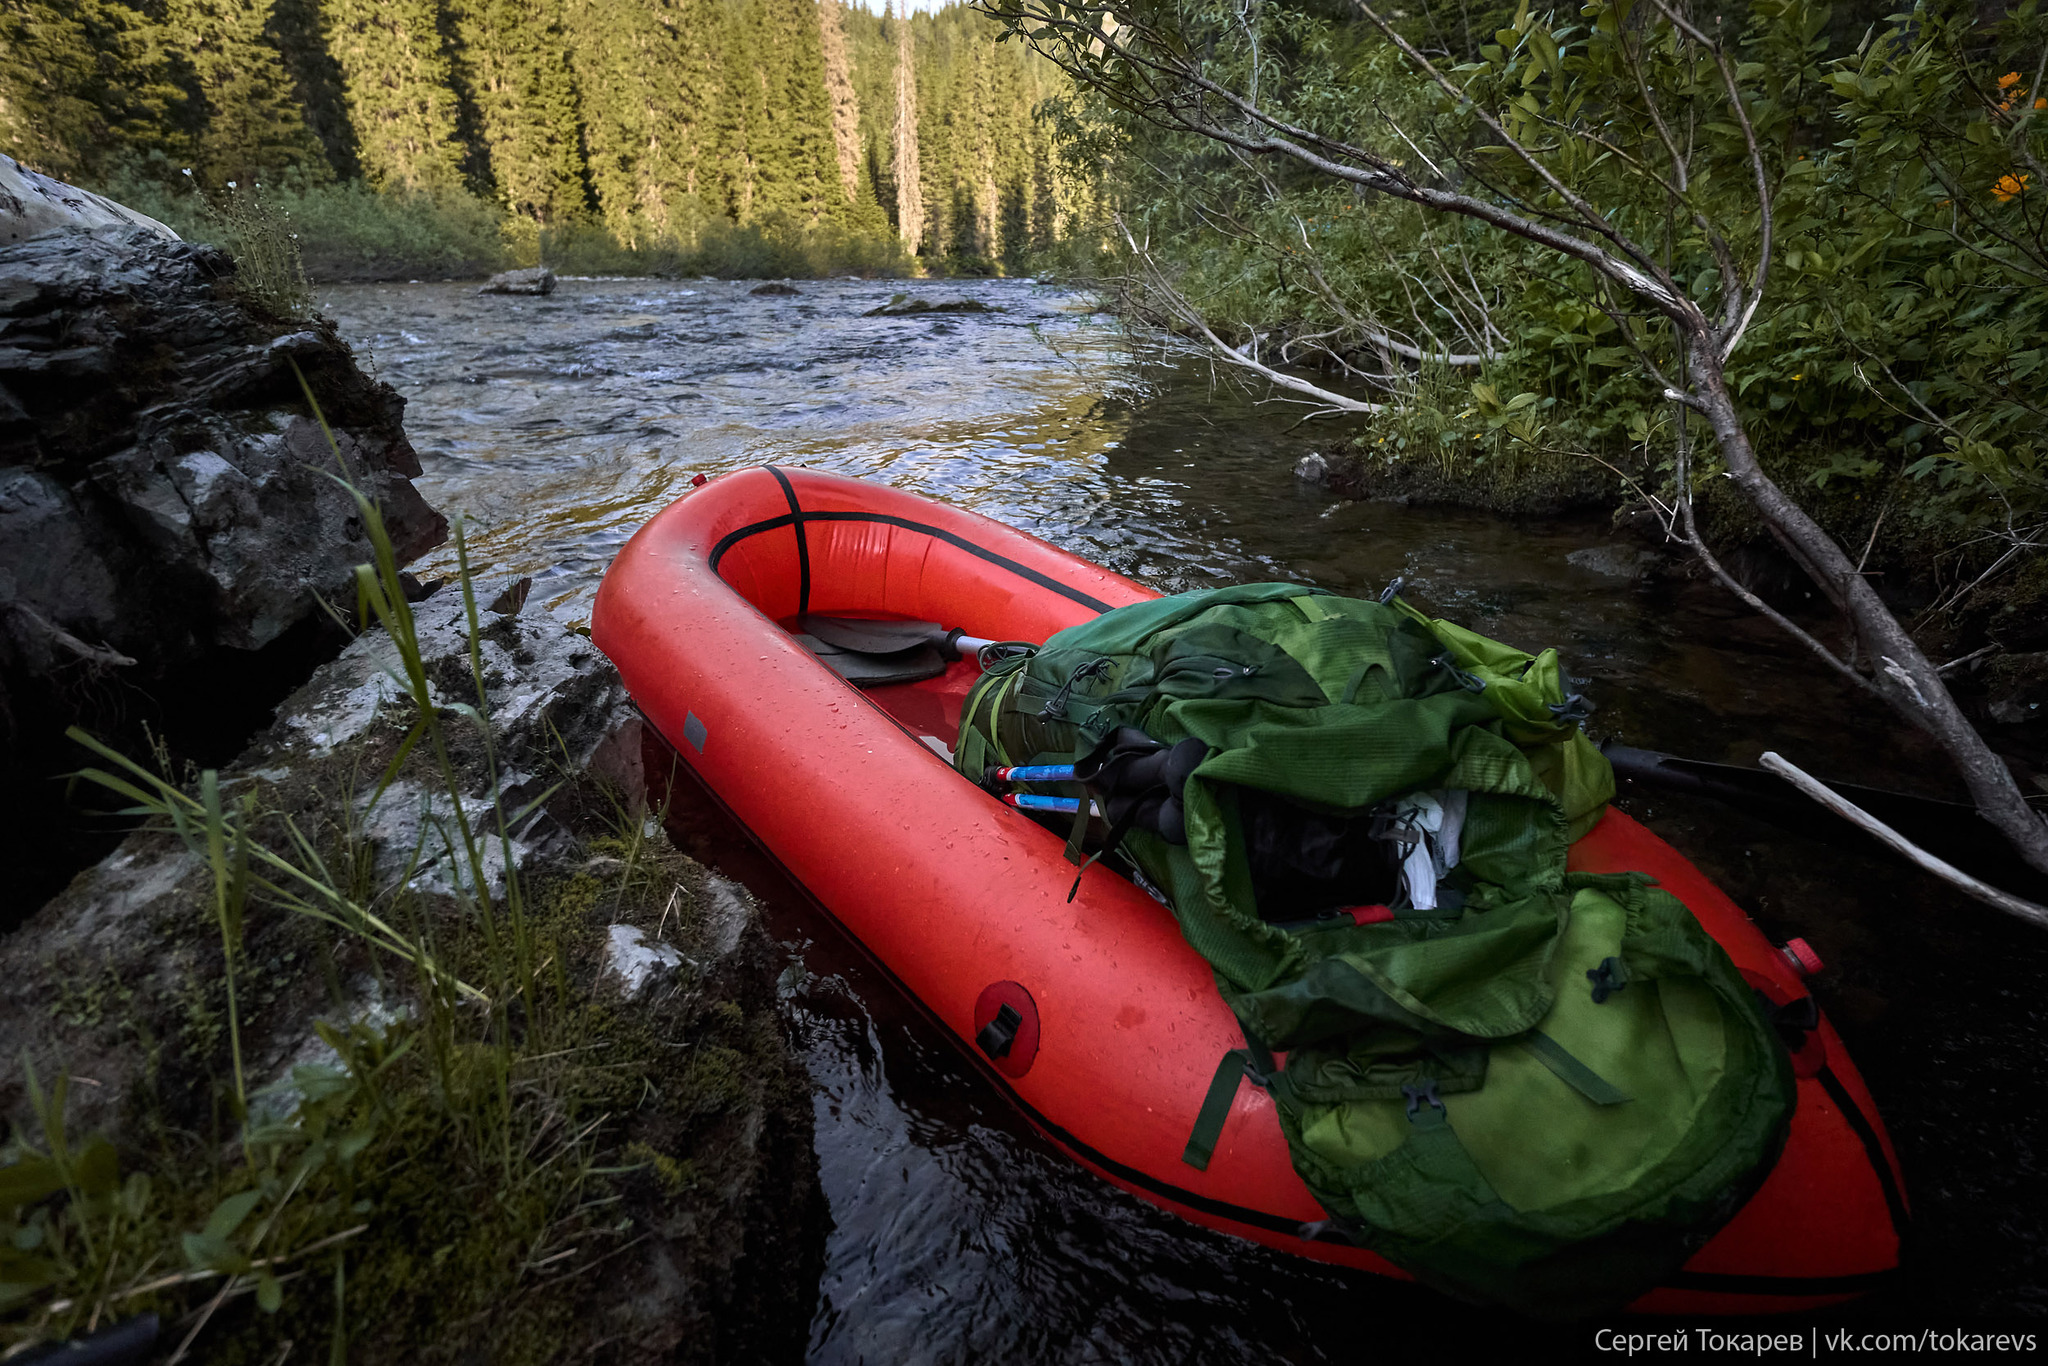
(389, 1032)
(346, 233)
(418, 1024)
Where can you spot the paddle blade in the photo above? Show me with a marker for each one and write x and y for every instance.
(873, 637)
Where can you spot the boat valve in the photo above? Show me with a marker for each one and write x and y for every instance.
(1005, 1026)
(998, 1034)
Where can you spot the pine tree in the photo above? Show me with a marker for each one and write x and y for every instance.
(649, 75)
(514, 62)
(909, 176)
(83, 82)
(251, 124)
(400, 91)
(740, 126)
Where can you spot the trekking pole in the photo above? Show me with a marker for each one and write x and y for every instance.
(1029, 773)
(1030, 801)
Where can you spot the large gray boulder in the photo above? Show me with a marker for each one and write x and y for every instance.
(169, 509)
(164, 491)
(532, 280)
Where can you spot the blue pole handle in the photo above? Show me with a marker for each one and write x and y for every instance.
(1036, 773)
(1030, 801)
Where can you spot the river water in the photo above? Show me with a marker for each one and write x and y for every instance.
(559, 425)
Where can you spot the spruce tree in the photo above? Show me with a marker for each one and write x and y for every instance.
(796, 173)
(400, 91)
(251, 124)
(514, 61)
(85, 82)
(648, 77)
(296, 30)
(740, 132)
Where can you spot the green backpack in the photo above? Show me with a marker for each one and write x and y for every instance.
(1526, 1086)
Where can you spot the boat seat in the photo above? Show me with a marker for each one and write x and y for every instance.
(864, 670)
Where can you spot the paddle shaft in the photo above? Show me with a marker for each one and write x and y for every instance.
(1953, 830)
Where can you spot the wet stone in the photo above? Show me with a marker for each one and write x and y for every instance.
(536, 280)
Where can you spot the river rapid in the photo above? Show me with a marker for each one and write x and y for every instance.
(558, 425)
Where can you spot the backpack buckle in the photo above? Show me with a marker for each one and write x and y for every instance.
(1418, 1094)
(1611, 976)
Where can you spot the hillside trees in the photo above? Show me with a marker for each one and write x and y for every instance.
(513, 61)
(654, 117)
(84, 81)
(399, 86)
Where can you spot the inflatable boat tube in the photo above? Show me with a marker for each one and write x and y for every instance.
(1093, 1016)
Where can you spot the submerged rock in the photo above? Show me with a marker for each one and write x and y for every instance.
(535, 280)
(904, 306)
(1312, 469)
(775, 289)
(1615, 561)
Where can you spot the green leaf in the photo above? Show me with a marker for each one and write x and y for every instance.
(29, 1180)
(135, 1193)
(352, 1144)
(99, 1169)
(207, 1253)
(269, 1294)
(228, 1215)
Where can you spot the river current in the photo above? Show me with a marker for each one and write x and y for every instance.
(558, 425)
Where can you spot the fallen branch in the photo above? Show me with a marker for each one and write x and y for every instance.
(1179, 304)
(1863, 820)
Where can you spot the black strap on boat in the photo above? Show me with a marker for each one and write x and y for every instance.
(1793, 1020)
(1236, 1065)
(803, 547)
(1253, 1062)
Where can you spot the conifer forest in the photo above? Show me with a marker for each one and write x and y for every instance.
(437, 132)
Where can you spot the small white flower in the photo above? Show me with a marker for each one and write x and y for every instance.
(231, 184)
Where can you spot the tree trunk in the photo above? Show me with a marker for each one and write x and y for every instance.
(909, 185)
(839, 90)
(1902, 673)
